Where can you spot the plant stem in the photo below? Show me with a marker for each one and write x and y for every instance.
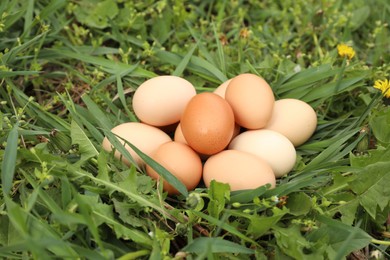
(380, 242)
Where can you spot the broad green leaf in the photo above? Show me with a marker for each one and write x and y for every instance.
(372, 187)
(380, 125)
(96, 13)
(215, 245)
(359, 16)
(291, 242)
(218, 193)
(259, 225)
(343, 238)
(380, 154)
(9, 160)
(86, 148)
(298, 203)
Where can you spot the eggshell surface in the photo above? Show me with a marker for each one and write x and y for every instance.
(271, 146)
(293, 118)
(180, 160)
(239, 169)
(221, 89)
(207, 123)
(251, 99)
(145, 137)
(160, 101)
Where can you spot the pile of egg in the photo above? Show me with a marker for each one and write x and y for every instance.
(238, 134)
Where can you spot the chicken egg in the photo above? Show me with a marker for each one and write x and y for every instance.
(160, 101)
(239, 169)
(293, 118)
(180, 160)
(221, 89)
(251, 99)
(270, 146)
(145, 137)
(207, 123)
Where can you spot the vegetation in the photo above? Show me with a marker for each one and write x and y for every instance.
(67, 73)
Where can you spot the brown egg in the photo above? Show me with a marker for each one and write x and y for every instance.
(251, 99)
(145, 137)
(294, 119)
(239, 169)
(207, 123)
(180, 160)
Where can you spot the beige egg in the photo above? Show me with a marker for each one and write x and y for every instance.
(293, 118)
(180, 160)
(145, 137)
(221, 89)
(239, 169)
(271, 146)
(160, 101)
(251, 99)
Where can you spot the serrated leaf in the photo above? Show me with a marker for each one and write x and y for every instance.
(372, 187)
(259, 225)
(86, 148)
(201, 245)
(218, 194)
(381, 154)
(380, 125)
(291, 242)
(342, 238)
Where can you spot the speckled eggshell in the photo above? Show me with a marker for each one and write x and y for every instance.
(239, 169)
(160, 101)
(145, 137)
(251, 99)
(180, 160)
(207, 123)
(270, 146)
(293, 118)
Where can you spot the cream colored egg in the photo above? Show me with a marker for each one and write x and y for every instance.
(221, 89)
(251, 99)
(293, 118)
(160, 101)
(269, 145)
(239, 169)
(145, 137)
(180, 160)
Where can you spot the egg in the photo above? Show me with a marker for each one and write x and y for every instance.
(160, 101)
(271, 146)
(207, 123)
(145, 137)
(180, 160)
(251, 99)
(221, 89)
(179, 137)
(239, 169)
(293, 118)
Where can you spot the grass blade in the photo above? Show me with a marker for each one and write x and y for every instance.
(9, 160)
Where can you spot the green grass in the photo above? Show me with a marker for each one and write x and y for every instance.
(72, 66)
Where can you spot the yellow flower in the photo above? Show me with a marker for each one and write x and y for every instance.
(384, 86)
(345, 51)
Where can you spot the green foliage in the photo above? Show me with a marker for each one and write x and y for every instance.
(67, 73)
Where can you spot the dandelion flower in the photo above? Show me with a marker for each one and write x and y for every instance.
(345, 51)
(384, 86)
